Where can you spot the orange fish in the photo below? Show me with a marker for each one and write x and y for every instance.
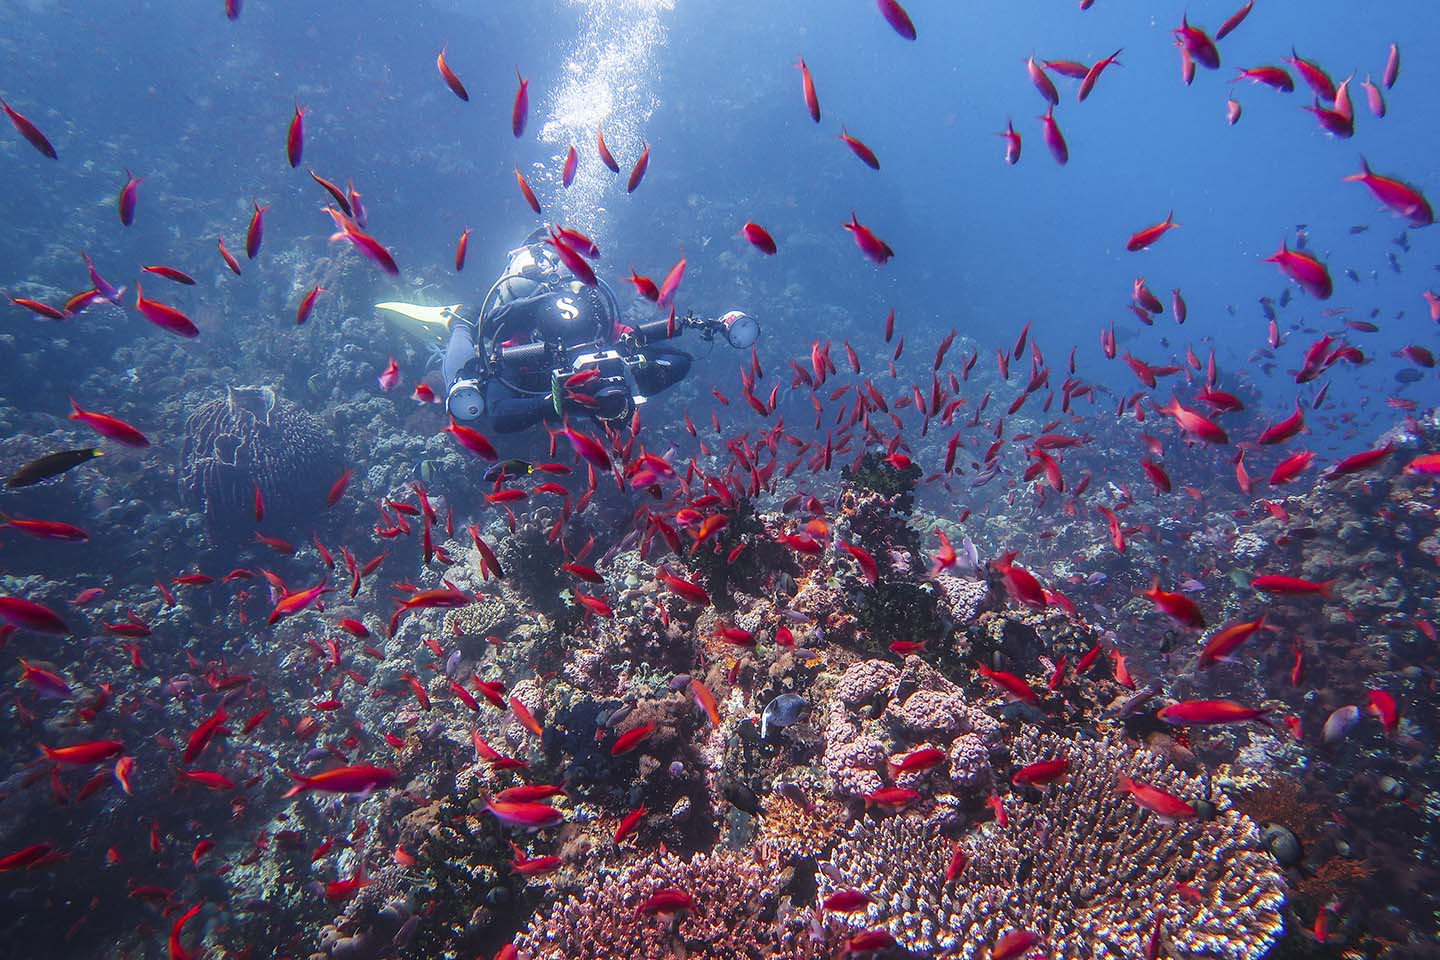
(1143, 238)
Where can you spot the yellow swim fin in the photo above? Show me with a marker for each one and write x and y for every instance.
(427, 324)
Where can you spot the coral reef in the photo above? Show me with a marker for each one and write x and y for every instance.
(1082, 866)
(880, 711)
(253, 440)
(739, 914)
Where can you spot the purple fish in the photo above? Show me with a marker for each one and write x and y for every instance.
(104, 288)
(255, 235)
(295, 139)
(129, 194)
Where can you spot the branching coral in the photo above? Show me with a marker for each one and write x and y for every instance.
(1084, 867)
(738, 916)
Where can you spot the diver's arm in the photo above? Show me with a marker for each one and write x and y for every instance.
(463, 397)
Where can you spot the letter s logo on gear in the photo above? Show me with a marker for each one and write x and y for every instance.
(567, 307)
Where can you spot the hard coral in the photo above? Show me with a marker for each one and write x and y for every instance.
(877, 704)
(1083, 867)
(738, 916)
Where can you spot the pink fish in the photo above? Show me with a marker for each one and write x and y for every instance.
(28, 615)
(109, 427)
(1305, 270)
(302, 313)
(807, 85)
(877, 250)
(1235, 19)
(129, 194)
(1274, 77)
(32, 133)
(896, 16)
(760, 238)
(521, 109)
(1314, 76)
(1012, 143)
(857, 147)
(606, 157)
(588, 448)
(390, 377)
(1042, 81)
(665, 295)
(451, 80)
(1374, 97)
(638, 172)
(1093, 74)
(567, 173)
(164, 316)
(572, 259)
(1054, 139)
(255, 233)
(1198, 45)
(227, 256)
(295, 138)
(1399, 196)
(1333, 122)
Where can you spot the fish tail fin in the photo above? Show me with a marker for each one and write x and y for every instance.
(1327, 589)
(301, 784)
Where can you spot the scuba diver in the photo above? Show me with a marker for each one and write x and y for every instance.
(543, 346)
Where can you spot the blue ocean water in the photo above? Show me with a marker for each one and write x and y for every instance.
(198, 106)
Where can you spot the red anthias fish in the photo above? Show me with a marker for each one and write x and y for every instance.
(360, 778)
(567, 172)
(857, 147)
(637, 173)
(1291, 586)
(1009, 684)
(1019, 582)
(1163, 804)
(1012, 143)
(1054, 139)
(532, 816)
(1176, 606)
(1198, 45)
(758, 236)
(128, 197)
(109, 427)
(1206, 712)
(807, 85)
(1305, 270)
(896, 16)
(1144, 238)
(875, 249)
(1042, 772)
(451, 81)
(520, 111)
(37, 139)
(295, 137)
(605, 155)
(1399, 196)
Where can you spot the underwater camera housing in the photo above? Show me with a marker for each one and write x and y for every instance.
(613, 386)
